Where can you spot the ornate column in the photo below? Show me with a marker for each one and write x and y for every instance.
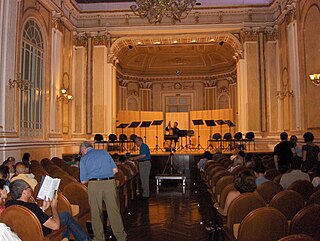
(145, 95)
(293, 64)
(56, 75)
(233, 95)
(122, 102)
(241, 117)
(79, 83)
(210, 94)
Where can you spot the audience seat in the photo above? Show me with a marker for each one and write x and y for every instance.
(297, 237)
(239, 208)
(307, 221)
(288, 202)
(304, 187)
(26, 225)
(265, 223)
(221, 184)
(224, 194)
(270, 174)
(314, 198)
(238, 169)
(268, 190)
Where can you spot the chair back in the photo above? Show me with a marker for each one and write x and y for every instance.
(307, 221)
(297, 237)
(216, 136)
(250, 135)
(65, 180)
(241, 206)
(227, 136)
(133, 137)
(77, 194)
(230, 187)
(270, 174)
(314, 198)
(238, 169)
(265, 223)
(221, 184)
(288, 202)
(123, 137)
(216, 176)
(98, 137)
(238, 136)
(23, 222)
(268, 190)
(304, 187)
(112, 137)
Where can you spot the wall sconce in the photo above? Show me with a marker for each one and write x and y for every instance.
(283, 94)
(22, 84)
(315, 79)
(65, 96)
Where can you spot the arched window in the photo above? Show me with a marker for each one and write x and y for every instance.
(32, 64)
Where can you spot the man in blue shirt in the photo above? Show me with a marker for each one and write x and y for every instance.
(144, 165)
(98, 168)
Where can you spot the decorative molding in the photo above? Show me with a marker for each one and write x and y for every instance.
(232, 80)
(250, 34)
(133, 93)
(57, 22)
(271, 34)
(196, 17)
(99, 40)
(123, 82)
(177, 86)
(145, 85)
(80, 40)
(291, 13)
(223, 89)
(210, 83)
(220, 14)
(112, 59)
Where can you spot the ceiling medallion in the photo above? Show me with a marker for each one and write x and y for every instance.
(155, 10)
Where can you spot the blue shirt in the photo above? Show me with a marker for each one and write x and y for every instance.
(144, 150)
(261, 180)
(96, 164)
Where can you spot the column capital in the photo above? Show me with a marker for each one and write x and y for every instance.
(271, 33)
(112, 59)
(56, 21)
(145, 85)
(249, 34)
(123, 82)
(210, 83)
(80, 40)
(101, 40)
(291, 13)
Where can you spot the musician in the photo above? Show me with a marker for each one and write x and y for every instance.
(173, 131)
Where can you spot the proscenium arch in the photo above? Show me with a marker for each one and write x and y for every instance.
(124, 42)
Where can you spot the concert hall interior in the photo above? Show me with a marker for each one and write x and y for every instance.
(232, 74)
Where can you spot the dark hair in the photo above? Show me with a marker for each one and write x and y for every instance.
(4, 170)
(208, 155)
(2, 184)
(17, 187)
(308, 137)
(242, 153)
(115, 156)
(284, 136)
(296, 162)
(122, 158)
(26, 157)
(245, 182)
(259, 168)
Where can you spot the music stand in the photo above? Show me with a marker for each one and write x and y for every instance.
(182, 133)
(198, 123)
(145, 124)
(230, 124)
(220, 123)
(157, 123)
(210, 123)
(122, 126)
(134, 125)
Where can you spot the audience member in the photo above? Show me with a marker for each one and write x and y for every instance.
(316, 180)
(4, 174)
(310, 152)
(283, 153)
(22, 172)
(237, 158)
(26, 158)
(259, 171)
(295, 174)
(249, 160)
(206, 156)
(122, 158)
(21, 194)
(294, 140)
(3, 194)
(243, 182)
(10, 162)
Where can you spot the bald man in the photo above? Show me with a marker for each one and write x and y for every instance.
(22, 173)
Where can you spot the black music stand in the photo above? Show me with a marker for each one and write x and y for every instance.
(198, 123)
(230, 124)
(122, 126)
(220, 123)
(210, 123)
(134, 125)
(182, 133)
(157, 123)
(145, 124)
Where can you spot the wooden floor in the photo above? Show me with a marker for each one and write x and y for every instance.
(170, 215)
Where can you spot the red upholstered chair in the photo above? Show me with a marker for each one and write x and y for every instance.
(304, 187)
(221, 184)
(239, 208)
(288, 202)
(307, 221)
(271, 173)
(268, 190)
(265, 223)
(297, 237)
(26, 225)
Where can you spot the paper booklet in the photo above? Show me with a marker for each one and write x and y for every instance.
(49, 187)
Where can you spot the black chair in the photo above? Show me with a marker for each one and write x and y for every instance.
(98, 139)
(238, 141)
(123, 138)
(217, 137)
(113, 140)
(250, 138)
(227, 136)
(132, 138)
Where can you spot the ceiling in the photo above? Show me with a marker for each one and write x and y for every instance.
(188, 59)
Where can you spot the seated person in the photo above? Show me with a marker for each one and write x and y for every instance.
(203, 161)
(21, 193)
(10, 162)
(316, 180)
(259, 171)
(3, 194)
(4, 174)
(237, 158)
(22, 172)
(295, 174)
(243, 182)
